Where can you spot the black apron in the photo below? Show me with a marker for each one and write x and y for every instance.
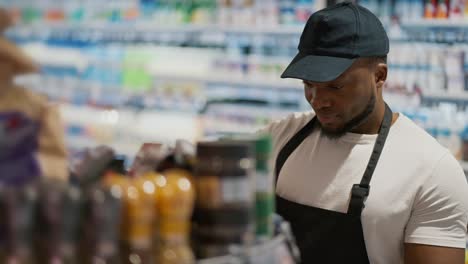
(325, 236)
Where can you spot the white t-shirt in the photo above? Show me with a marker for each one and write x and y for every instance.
(419, 193)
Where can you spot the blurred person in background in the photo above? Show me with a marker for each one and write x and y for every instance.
(358, 183)
(31, 131)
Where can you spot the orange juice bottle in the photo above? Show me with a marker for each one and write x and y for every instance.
(430, 7)
(138, 224)
(158, 181)
(176, 197)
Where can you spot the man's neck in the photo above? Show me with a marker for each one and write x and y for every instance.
(372, 124)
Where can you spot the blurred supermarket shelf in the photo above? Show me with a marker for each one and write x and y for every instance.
(233, 81)
(146, 27)
(145, 31)
(440, 31)
(447, 96)
(436, 24)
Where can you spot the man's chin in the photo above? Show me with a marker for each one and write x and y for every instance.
(332, 133)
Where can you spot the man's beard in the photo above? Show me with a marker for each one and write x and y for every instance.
(353, 123)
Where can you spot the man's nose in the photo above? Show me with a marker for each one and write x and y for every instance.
(320, 98)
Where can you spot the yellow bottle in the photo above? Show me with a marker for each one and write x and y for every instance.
(138, 224)
(176, 197)
(158, 181)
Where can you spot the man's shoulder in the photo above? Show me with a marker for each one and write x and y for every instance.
(288, 125)
(282, 130)
(412, 140)
(407, 131)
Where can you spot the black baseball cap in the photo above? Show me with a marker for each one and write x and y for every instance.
(333, 38)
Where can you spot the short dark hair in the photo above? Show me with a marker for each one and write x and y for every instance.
(379, 59)
(374, 60)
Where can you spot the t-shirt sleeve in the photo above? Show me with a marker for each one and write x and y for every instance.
(440, 211)
(265, 130)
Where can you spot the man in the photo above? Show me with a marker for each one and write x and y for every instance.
(358, 183)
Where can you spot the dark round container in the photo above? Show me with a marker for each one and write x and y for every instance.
(224, 212)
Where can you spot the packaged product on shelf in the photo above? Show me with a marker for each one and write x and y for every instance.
(430, 8)
(49, 226)
(139, 217)
(456, 9)
(265, 193)
(148, 158)
(287, 11)
(73, 207)
(264, 187)
(242, 12)
(465, 11)
(152, 182)
(442, 11)
(305, 8)
(454, 70)
(224, 214)
(103, 225)
(17, 224)
(54, 12)
(203, 12)
(176, 196)
(182, 156)
(91, 166)
(114, 179)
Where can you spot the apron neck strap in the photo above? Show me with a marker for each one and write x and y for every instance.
(360, 192)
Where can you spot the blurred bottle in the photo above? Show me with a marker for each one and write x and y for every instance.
(287, 11)
(73, 206)
(18, 210)
(176, 197)
(116, 181)
(430, 7)
(106, 208)
(304, 9)
(152, 182)
(139, 216)
(265, 194)
(224, 214)
(224, 12)
(50, 220)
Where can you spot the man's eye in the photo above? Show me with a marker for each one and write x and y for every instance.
(335, 87)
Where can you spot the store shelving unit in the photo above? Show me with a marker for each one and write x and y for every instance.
(234, 81)
(152, 27)
(461, 97)
(146, 31)
(187, 34)
(436, 24)
(440, 31)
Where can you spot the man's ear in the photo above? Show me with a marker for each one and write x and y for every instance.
(381, 70)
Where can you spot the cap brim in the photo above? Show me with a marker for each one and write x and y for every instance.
(316, 68)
